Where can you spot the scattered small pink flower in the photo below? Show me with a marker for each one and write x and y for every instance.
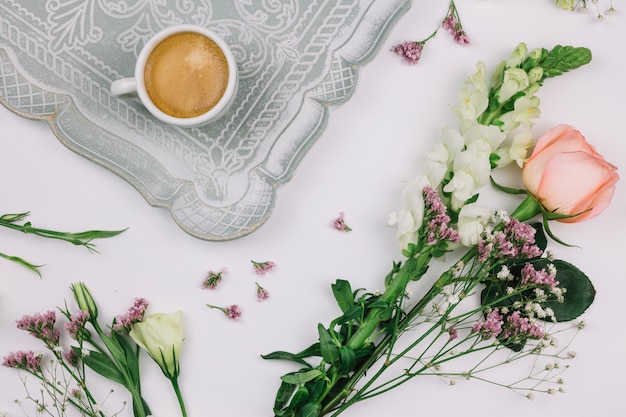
(340, 223)
(213, 278)
(261, 293)
(261, 268)
(232, 312)
(29, 361)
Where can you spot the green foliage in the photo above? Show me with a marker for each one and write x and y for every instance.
(11, 220)
(561, 59)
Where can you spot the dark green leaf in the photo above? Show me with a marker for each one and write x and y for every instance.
(310, 410)
(328, 346)
(301, 377)
(348, 359)
(579, 295)
(32, 267)
(540, 236)
(281, 355)
(103, 365)
(283, 397)
(343, 294)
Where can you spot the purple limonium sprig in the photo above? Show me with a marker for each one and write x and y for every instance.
(135, 314)
(233, 312)
(213, 278)
(452, 24)
(542, 277)
(508, 328)
(261, 268)
(76, 325)
(411, 51)
(261, 293)
(517, 240)
(30, 361)
(340, 223)
(42, 327)
(437, 226)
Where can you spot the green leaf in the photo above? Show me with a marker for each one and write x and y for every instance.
(343, 294)
(281, 355)
(328, 346)
(102, 365)
(32, 267)
(283, 398)
(561, 59)
(310, 410)
(580, 292)
(302, 377)
(131, 362)
(348, 359)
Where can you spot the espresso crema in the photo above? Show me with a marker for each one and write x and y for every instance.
(186, 75)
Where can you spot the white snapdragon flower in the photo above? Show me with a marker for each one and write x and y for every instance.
(472, 221)
(515, 80)
(475, 100)
(518, 152)
(492, 135)
(471, 171)
(525, 109)
(517, 55)
(439, 159)
(409, 219)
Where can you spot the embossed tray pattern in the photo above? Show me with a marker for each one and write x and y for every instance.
(296, 58)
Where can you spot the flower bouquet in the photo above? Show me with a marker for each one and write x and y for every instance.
(504, 298)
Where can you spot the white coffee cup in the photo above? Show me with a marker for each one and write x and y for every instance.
(185, 75)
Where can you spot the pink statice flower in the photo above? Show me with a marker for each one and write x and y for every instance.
(29, 361)
(76, 325)
(491, 326)
(516, 241)
(452, 24)
(411, 51)
(530, 275)
(261, 293)
(213, 278)
(233, 312)
(261, 268)
(518, 327)
(340, 223)
(42, 327)
(437, 228)
(135, 314)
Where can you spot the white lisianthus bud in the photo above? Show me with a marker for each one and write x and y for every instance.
(161, 335)
(515, 80)
(472, 221)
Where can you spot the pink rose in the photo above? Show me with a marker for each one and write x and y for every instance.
(567, 176)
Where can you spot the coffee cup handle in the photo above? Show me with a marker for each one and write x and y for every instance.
(123, 86)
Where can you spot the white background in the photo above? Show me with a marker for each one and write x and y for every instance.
(371, 144)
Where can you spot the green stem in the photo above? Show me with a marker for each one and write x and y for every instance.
(179, 397)
(528, 209)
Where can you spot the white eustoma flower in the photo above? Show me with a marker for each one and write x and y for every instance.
(161, 335)
(409, 219)
(515, 80)
(472, 221)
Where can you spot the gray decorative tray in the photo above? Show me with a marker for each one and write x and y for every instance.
(296, 60)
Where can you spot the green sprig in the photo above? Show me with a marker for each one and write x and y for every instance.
(11, 221)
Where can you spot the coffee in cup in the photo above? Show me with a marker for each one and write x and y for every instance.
(184, 75)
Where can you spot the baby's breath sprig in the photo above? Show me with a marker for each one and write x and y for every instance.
(11, 221)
